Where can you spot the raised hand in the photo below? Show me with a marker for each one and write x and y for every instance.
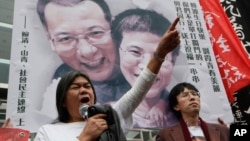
(168, 43)
(170, 40)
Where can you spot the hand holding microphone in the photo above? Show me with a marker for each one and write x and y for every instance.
(95, 121)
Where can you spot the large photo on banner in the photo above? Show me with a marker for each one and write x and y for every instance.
(112, 41)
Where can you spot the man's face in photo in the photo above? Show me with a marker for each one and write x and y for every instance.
(80, 35)
(136, 50)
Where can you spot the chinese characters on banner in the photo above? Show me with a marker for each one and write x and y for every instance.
(194, 43)
(21, 64)
(231, 56)
(237, 12)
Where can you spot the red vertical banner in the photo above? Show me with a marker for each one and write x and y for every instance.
(230, 56)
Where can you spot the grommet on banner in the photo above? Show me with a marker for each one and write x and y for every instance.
(21, 134)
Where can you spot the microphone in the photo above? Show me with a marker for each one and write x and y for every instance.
(83, 110)
(87, 111)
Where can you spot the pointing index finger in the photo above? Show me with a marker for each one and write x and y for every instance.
(173, 25)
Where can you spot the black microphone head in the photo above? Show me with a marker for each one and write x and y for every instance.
(83, 110)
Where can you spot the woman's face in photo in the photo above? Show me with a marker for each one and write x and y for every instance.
(80, 36)
(135, 51)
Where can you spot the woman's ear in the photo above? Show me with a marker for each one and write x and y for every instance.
(176, 108)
